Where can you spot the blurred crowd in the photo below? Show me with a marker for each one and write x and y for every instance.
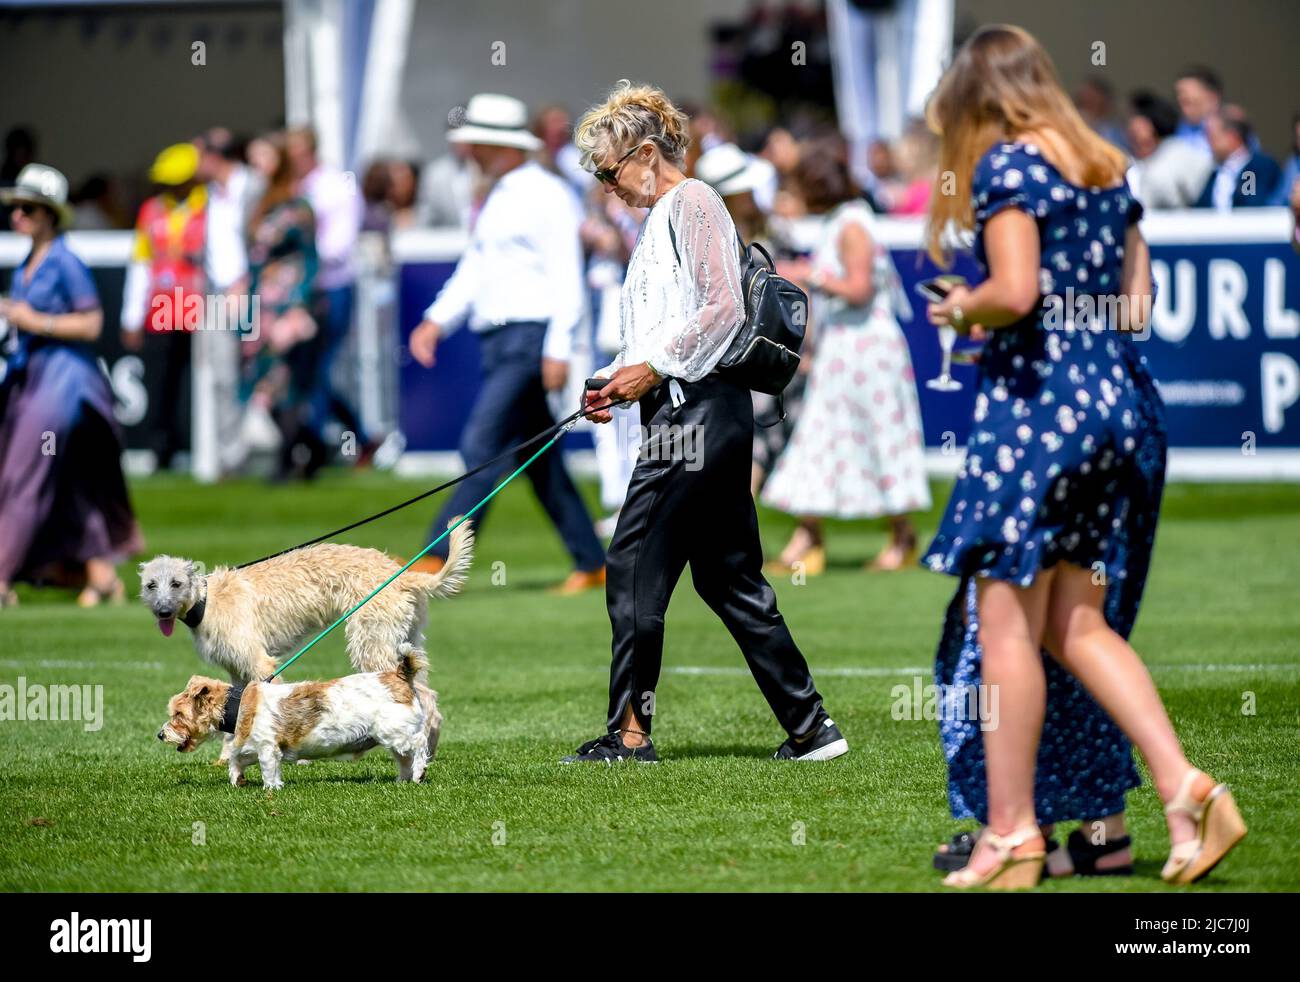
(265, 226)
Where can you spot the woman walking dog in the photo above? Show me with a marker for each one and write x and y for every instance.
(1062, 476)
(681, 306)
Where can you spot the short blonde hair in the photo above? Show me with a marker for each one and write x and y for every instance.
(631, 115)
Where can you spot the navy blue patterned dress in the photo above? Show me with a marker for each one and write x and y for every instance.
(1065, 462)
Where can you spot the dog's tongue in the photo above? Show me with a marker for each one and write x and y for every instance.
(165, 624)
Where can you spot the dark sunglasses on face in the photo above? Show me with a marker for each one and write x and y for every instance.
(609, 175)
(26, 208)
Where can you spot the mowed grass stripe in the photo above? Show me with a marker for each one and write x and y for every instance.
(522, 681)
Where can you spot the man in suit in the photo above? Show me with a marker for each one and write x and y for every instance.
(1242, 177)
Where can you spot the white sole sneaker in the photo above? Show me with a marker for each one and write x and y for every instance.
(829, 752)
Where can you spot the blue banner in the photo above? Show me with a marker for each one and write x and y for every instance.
(1224, 348)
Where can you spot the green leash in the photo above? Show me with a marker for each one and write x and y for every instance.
(451, 528)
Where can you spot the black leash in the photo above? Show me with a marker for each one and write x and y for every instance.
(512, 452)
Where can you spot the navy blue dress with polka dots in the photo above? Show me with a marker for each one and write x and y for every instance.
(1065, 462)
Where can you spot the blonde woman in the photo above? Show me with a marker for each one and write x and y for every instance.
(1061, 481)
(857, 450)
(688, 500)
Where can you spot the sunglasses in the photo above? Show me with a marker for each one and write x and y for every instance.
(609, 175)
(26, 207)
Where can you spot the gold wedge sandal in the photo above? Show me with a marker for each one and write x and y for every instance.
(1011, 872)
(1219, 827)
(811, 563)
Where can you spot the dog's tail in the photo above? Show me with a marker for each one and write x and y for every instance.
(412, 665)
(451, 577)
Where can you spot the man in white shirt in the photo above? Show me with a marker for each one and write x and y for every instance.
(232, 195)
(519, 287)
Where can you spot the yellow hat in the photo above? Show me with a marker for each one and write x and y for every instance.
(175, 165)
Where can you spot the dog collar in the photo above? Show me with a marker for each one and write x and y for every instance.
(194, 616)
(231, 712)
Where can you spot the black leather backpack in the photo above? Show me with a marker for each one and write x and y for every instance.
(764, 355)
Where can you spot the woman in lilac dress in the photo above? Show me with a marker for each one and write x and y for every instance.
(64, 509)
(1051, 522)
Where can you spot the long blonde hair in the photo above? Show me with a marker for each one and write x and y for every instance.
(630, 115)
(1002, 85)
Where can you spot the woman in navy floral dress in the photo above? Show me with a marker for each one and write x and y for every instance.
(1052, 518)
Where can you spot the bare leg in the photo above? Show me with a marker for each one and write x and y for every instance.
(632, 734)
(101, 584)
(1011, 629)
(1097, 831)
(807, 536)
(1115, 676)
(902, 541)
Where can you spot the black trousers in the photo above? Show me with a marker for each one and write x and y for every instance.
(171, 417)
(689, 502)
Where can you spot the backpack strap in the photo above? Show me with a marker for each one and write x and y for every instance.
(780, 413)
(740, 243)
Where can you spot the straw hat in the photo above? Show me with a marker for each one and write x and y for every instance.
(732, 171)
(497, 121)
(41, 185)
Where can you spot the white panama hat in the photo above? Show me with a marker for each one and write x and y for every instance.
(496, 121)
(42, 185)
(729, 170)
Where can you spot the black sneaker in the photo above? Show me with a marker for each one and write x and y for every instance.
(610, 749)
(826, 743)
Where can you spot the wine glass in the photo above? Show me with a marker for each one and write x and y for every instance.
(945, 382)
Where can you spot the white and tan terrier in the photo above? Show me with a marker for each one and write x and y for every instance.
(295, 721)
(245, 620)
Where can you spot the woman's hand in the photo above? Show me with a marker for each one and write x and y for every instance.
(949, 313)
(628, 384)
(23, 316)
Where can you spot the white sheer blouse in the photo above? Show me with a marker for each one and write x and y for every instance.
(681, 307)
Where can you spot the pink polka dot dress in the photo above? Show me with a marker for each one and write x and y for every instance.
(857, 450)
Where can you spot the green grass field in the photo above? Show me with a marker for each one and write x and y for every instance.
(522, 679)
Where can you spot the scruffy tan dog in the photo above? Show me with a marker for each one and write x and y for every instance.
(245, 620)
(295, 721)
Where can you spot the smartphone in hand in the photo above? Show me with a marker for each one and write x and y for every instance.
(936, 290)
